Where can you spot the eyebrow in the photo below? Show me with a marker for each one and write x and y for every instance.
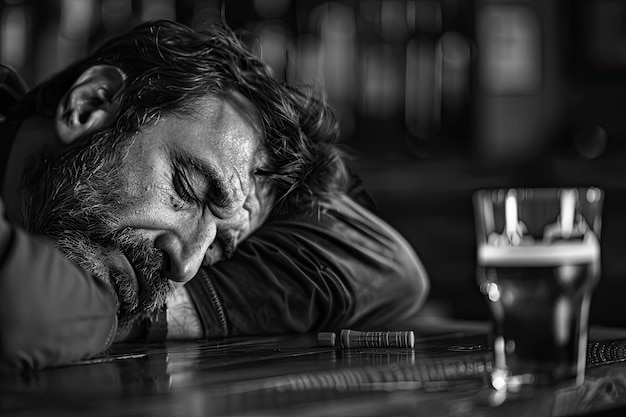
(216, 188)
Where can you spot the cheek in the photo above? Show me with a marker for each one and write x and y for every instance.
(143, 192)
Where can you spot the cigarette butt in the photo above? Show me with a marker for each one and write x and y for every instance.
(326, 339)
(354, 338)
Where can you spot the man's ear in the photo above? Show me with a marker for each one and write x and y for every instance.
(90, 104)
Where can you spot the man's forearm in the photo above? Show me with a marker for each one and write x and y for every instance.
(345, 267)
(51, 311)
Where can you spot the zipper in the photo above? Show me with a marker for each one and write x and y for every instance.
(215, 300)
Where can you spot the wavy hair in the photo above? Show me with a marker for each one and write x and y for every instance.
(169, 66)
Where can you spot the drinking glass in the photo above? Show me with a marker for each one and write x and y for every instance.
(538, 262)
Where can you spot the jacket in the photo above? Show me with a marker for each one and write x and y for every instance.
(339, 266)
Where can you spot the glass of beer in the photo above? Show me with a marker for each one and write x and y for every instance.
(538, 262)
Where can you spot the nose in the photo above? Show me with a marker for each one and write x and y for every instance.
(185, 248)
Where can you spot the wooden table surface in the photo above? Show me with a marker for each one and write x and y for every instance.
(445, 374)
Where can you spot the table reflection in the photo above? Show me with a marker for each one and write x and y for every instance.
(442, 375)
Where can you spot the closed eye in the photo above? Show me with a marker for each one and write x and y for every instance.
(200, 183)
(183, 188)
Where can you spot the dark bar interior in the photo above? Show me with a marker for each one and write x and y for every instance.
(437, 98)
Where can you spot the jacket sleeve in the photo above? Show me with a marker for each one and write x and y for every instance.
(340, 267)
(51, 312)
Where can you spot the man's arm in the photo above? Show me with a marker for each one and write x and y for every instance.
(51, 311)
(340, 267)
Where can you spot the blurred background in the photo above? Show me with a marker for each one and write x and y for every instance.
(437, 98)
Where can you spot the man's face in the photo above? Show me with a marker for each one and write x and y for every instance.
(148, 213)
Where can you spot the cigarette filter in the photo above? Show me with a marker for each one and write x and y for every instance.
(326, 338)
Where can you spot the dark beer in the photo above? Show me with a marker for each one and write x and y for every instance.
(539, 298)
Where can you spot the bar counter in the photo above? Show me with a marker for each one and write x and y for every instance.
(445, 374)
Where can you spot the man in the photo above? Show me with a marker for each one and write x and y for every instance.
(147, 164)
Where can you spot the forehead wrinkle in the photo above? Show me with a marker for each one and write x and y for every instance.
(215, 113)
(210, 112)
(235, 178)
(218, 118)
(248, 112)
